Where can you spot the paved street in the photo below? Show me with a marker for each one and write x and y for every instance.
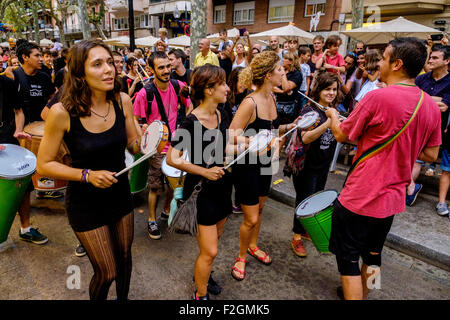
(162, 269)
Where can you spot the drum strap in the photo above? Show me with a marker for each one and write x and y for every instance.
(380, 147)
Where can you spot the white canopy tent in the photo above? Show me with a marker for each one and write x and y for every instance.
(288, 32)
(45, 42)
(146, 41)
(183, 41)
(215, 38)
(122, 41)
(387, 31)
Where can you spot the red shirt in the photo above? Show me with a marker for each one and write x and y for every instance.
(377, 187)
(337, 61)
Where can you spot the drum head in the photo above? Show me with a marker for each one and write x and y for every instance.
(307, 120)
(152, 136)
(316, 203)
(260, 141)
(171, 171)
(16, 162)
(35, 128)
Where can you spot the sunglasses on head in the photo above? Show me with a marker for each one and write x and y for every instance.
(353, 54)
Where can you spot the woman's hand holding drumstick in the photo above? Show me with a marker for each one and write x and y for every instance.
(102, 179)
(214, 173)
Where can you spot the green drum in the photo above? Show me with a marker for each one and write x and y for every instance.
(17, 165)
(138, 176)
(314, 213)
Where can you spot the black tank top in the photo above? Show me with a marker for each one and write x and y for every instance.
(256, 126)
(98, 151)
(89, 207)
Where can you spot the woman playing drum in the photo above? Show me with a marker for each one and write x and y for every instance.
(96, 122)
(256, 112)
(313, 177)
(208, 88)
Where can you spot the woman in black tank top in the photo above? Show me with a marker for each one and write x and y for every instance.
(256, 112)
(96, 122)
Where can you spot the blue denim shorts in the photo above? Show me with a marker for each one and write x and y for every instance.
(445, 162)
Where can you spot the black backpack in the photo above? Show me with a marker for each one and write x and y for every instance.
(152, 93)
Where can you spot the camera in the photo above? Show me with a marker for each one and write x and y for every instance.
(437, 37)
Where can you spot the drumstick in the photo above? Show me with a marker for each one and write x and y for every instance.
(317, 104)
(141, 159)
(238, 157)
(145, 73)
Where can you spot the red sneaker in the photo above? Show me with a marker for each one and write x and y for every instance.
(297, 246)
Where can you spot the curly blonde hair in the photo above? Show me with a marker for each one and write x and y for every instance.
(262, 64)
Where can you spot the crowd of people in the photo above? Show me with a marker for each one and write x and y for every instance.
(99, 102)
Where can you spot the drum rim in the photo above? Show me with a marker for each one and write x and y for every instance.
(268, 141)
(314, 214)
(315, 117)
(164, 164)
(33, 134)
(17, 177)
(161, 131)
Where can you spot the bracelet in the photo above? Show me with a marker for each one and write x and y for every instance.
(85, 175)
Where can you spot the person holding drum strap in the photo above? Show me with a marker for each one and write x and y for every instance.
(160, 66)
(96, 122)
(34, 89)
(196, 135)
(313, 177)
(256, 112)
(375, 190)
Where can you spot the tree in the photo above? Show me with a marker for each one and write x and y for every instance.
(198, 26)
(357, 17)
(15, 14)
(96, 18)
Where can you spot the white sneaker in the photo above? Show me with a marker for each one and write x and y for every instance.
(442, 209)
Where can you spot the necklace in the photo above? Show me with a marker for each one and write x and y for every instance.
(105, 116)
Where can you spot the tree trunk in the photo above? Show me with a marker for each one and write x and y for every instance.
(357, 18)
(84, 19)
(36, 23)
(198, 26)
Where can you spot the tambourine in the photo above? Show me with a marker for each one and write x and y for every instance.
(153, 141)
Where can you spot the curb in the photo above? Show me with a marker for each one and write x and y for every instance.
(394, 241)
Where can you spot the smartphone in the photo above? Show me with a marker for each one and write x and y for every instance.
(437, 37)
(242, 31)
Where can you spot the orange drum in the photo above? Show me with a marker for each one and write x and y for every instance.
(36, 130)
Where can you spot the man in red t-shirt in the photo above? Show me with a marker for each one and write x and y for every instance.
(376, 190)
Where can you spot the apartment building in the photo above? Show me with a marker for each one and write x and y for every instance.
(149, 16)
(262, 15)
(432, 13)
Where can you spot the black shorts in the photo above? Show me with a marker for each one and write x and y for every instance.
(354, 235)
(251, 184)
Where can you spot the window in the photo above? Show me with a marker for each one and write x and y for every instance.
(115, 23)
(144, 20)
(219, 14)
(244, 13)
(281, 11)
(314, 6)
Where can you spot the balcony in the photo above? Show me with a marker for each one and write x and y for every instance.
(401, 7)
(160, 6)
(121, 6)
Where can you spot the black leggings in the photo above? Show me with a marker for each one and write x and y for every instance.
(306, 184)
(109, 250)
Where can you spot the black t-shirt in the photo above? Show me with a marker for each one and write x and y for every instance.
(47, 70)
(137, 87)
(59, 77)
(34, 97)
(9, 103)
(184, 78)
(296, 77)
(320, 153)
(10, 99)
(59, 63)
(227, 65)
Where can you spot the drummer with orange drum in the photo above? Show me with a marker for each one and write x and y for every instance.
(160, 100)
(34, 89)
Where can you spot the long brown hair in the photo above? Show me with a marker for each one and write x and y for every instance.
(76, 94)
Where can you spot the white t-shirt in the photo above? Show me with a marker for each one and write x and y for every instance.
(222, 42)
(366, 88)
(306, 72)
